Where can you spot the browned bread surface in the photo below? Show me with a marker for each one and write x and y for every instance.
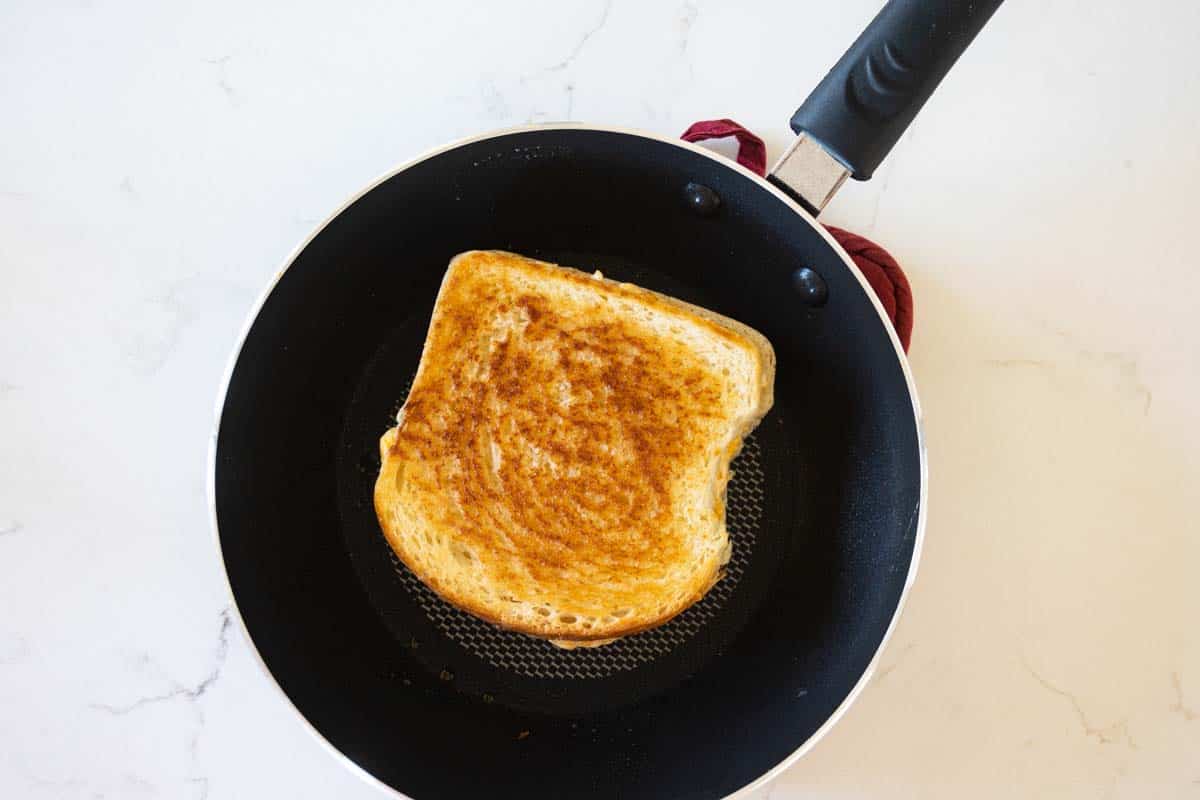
(559, 466)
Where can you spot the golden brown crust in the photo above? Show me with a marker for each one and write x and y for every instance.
(559, 465)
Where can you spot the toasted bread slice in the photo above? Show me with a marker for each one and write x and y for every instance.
(559, 466)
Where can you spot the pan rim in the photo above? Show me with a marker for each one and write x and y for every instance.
(918, 420)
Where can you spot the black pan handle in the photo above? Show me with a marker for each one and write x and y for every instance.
(861, 108)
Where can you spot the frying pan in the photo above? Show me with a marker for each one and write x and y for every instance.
(826, 508)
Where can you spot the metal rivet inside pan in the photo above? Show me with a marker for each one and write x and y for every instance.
(701, 199)
(811, 287)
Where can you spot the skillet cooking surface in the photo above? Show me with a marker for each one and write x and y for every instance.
(325, 366)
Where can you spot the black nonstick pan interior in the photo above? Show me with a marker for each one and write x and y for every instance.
(824, 505)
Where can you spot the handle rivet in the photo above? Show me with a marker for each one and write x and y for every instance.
(811, 287)
(701, 199)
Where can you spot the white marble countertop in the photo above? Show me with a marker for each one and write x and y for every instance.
(160, 159)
